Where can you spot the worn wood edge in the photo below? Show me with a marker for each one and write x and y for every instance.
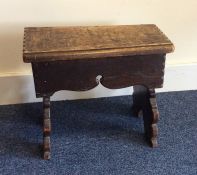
(86, 26)
(75, 55)
(76, 50)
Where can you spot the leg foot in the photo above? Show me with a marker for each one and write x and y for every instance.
(46, 128)
(151, 116)
(144, 99)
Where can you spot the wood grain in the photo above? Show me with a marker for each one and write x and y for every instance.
(68, 43)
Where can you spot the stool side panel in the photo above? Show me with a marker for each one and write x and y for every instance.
(80, 75)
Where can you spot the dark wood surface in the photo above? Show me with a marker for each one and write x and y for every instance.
(80, 75)
(46, 128)
(71, 58)
(68, 43)
(144, 102)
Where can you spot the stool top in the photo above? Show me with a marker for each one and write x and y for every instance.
(68, 43)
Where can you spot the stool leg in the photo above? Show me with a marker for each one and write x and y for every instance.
(46, 128)
(151, 116)
(139, 93)
(144, 100)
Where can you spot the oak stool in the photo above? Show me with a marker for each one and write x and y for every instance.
(70, 58)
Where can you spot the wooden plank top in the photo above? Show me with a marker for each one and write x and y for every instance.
(78, 42)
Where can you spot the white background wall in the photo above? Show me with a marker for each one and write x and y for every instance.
(177, 18)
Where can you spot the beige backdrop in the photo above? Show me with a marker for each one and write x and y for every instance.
(176, 18)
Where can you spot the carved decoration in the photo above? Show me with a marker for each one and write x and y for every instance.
(155, 118)
(46, 128)
(144, 101)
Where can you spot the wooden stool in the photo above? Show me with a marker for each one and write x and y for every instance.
(70, 58)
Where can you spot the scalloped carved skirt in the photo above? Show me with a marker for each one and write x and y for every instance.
(80, 75)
